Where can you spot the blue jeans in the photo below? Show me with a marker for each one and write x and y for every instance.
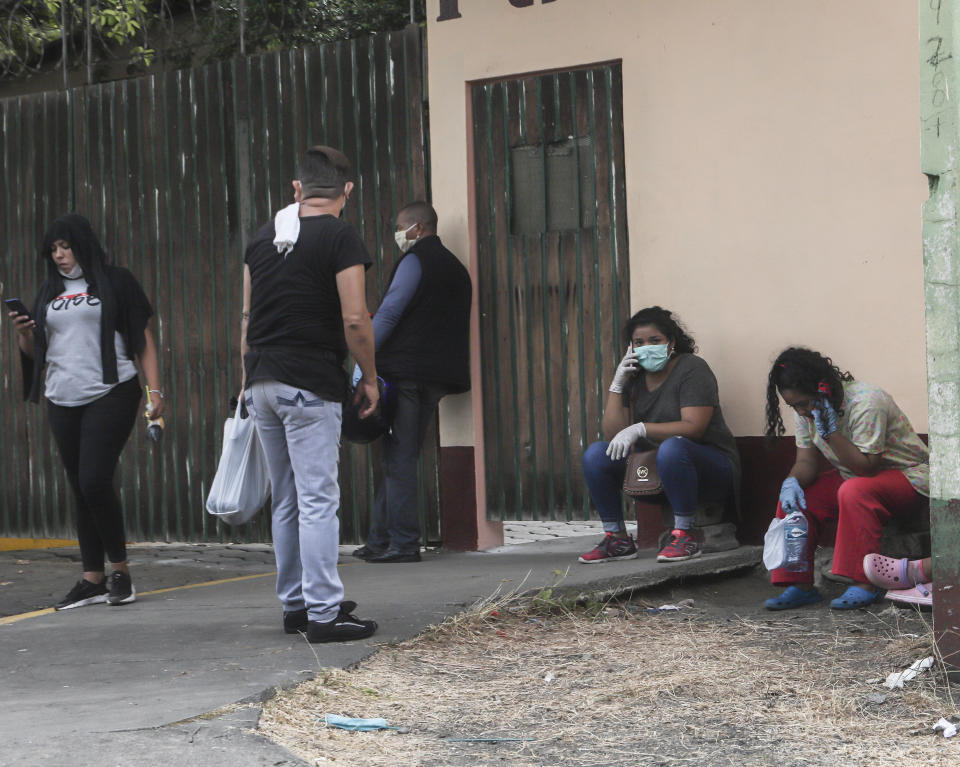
(300, 434)
(690, 473)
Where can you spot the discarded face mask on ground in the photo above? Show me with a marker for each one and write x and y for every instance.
(359, 725)
(897, 678)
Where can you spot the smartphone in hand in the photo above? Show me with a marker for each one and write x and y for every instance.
(16, 305)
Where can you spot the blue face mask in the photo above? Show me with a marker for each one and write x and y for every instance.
(653, 357)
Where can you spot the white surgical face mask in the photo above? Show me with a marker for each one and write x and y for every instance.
(401, 239)
(77, 271)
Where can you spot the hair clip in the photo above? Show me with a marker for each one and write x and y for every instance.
(823, 388)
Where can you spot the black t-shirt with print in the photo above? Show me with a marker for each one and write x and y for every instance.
(295, 330)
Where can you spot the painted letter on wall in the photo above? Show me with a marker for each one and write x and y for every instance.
(448, 10)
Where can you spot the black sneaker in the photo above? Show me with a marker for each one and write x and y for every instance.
(344, 628)
(366, 552)
(122, 591)
(82, 594)
(295, 621)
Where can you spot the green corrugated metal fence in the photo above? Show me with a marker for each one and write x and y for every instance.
(175, 170)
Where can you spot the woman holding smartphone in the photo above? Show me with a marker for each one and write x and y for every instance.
(663, 396)
(89, 326)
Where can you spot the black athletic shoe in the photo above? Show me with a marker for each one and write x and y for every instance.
(122, 591)
(82, 594)
(388, 557)
(344, 628)
(295, 621)
(366, 553)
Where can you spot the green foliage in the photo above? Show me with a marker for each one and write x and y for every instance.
(548, 601)
(26, 28)
(181, 32)
(31, 31)
(116, 20)
(271, 25)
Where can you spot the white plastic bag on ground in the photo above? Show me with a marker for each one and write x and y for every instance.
(948, 728)
(774, 546)
(897, 678)
(242, 483)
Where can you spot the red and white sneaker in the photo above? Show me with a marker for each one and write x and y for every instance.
(611, 548)
(680, 545)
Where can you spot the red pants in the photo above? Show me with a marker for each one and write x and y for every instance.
(861, 507)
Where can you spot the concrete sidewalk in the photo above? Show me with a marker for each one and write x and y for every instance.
(126, 685)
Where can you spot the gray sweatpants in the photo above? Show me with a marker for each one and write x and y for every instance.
(300, 434)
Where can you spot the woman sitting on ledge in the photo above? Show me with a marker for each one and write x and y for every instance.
(881, 470)
(663, 397)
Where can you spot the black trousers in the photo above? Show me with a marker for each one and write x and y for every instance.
(395, 522)
(90, 439)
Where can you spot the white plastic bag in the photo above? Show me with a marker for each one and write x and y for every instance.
(774, 547)
(242, 483)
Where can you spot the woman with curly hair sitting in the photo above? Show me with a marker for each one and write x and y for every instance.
(881, 470)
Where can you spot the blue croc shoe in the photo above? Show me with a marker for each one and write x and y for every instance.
(793, 597)
(855, 597)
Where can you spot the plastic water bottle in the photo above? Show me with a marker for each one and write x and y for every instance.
(155, 428)
(795, 534)
(154, 425)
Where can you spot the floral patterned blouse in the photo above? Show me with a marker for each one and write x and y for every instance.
(872, 421)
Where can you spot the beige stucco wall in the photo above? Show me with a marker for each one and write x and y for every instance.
(772, 169)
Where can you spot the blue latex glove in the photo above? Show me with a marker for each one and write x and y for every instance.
(825, 418)
(357, 375)
(791, 495)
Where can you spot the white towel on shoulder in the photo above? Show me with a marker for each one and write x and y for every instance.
(287, 226)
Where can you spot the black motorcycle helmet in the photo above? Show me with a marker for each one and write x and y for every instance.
(379, 423)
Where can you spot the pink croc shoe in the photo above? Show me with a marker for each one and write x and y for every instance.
(887, 572)
(921, 594)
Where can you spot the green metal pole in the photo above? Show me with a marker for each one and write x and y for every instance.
(940, 161)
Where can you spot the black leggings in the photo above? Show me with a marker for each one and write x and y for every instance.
(90, 439)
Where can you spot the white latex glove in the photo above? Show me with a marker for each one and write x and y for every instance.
(627, 368)
(619, 447)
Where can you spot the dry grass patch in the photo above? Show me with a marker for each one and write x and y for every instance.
(620, 687)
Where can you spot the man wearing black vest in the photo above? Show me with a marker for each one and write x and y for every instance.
(422, 338)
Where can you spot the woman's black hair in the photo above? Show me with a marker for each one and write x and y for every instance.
(663, 321)
(76, 231)
(804, 371)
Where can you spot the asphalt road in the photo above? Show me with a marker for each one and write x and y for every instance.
(101, 686)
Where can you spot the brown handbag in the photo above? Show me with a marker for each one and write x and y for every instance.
(641, 477)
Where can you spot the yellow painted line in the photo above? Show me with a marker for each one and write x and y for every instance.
(205, 583)
(23, 616)
(46, 611)
(18, 544)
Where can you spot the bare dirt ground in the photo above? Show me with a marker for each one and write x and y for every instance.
(721, 682)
